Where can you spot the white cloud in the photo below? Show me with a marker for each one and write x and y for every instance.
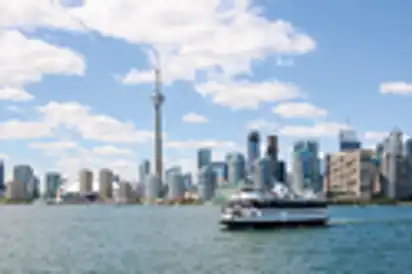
(77, 118)
(16, 129)
(24, 60)
(111, 150)
(90, 125)
(3, 156)
(193, 144)
(299, 110)
(328, 129)
(189, 37)
(189, 25)
(246, 94)
(58, 145)
(194, 118)
(15, 94)
(193, 36)
(400, 88)
(54, 148)
(135, 76)
(27, 13)
(375, 135)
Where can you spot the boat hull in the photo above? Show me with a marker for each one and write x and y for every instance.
(281, 221)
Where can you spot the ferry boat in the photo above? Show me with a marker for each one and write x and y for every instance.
(255, 208)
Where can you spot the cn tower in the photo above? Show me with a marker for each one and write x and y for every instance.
(158, 99)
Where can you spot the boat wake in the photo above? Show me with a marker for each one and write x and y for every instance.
(349, 221)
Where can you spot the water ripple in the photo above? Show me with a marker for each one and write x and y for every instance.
(77, 239)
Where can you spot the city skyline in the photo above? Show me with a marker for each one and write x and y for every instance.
(78, 99)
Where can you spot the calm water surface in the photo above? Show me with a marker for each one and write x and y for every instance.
(145, 239)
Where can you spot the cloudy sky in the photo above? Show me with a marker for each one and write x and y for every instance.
(76, 76)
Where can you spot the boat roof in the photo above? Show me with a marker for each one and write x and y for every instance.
(251, 192)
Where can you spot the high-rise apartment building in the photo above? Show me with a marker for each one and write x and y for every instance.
(253, 150)
(206, 184)
(348, 140)
(395, 168)
(144, 170)
(36, 190)
(86, 181)
(306, 167)
(53, 183)
(272, 153)
(281, 172)
(172, 170)
(176, 186)
(408, 151)
(24, 175)
(221, 169)
(236, 167)
(204, 157)
(188, 180)
(106, 183)
(262, 176)
(153, 187)
(2, 186)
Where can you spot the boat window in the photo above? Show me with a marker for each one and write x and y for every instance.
(247, 190)
(234, 203)
(286, 204)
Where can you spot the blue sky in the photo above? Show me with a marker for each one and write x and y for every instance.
(76, 77)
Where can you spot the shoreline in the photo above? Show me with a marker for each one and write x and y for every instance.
(360, 203)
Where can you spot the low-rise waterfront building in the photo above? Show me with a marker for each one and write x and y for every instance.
(16, 190)
(351, 175)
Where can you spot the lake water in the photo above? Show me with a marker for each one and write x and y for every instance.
(156, 239)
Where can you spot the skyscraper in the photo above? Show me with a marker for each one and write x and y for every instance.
(306, 167)
(281, 171)
(187, 178)
(253, 150)
(86, 181)
(176, 186)
(262, 175)
(144, 170)
(2, 176)
(158, 99)
(204, 157)
(206, 183)
(106, 183)
(153, 187)
(348, 140)
(392, 168)
(24, 175)
(36, 190)
(272, 153)
(221, 170)
(236, 168)
(408, 151)
(53, 183)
